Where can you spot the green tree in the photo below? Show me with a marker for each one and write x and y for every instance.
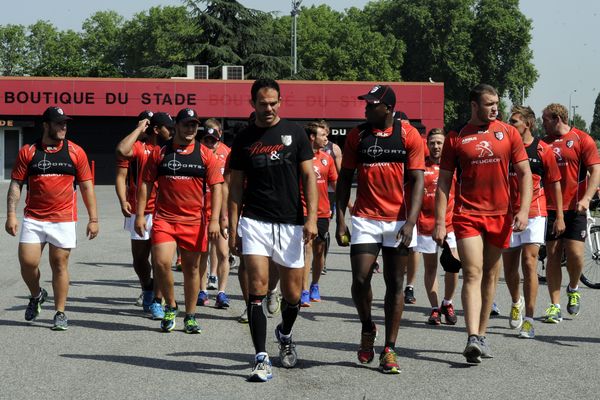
(595, 126)
(54, 53)
(13, 45)
(101, 36)
(158, 42)
(579, 122)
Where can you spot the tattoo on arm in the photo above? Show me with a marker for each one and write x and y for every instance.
(14, 194)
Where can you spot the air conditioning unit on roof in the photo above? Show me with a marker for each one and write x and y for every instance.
(234, 72)
(197, 71)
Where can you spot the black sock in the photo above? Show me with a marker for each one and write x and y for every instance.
(157, 300)
(289, 312)
(367, 326)
(257, 321)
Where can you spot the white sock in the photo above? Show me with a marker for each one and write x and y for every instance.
(572, 290)
(446, 302)
(262, 354)
(529, 319)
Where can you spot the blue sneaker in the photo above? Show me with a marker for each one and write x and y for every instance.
(147, 299)
(222, 300)
(305, 299)
(314, 293)
(202, 298)
(157, 310)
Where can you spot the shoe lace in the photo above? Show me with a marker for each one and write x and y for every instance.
(390, 358)
(526, 326)
(552, 311)
(515, 313)
(573, 298)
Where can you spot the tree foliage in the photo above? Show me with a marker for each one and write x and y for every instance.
(13, 45)
(579, 123)
(595, 126)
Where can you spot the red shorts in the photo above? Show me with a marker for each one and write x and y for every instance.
(495, 229)
(188, 237)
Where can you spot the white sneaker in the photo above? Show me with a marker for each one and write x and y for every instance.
(527, 331)
(262, 370)
(273, 302)
(140, 300)
(516, 314)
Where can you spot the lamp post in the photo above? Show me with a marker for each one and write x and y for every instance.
(570, 117)
(573, 116)
(295, 12)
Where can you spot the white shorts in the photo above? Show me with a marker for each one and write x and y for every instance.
(426, 244)
(59, 234)
(366, 230)
(282, 242)
(535, 233)
(129, 226)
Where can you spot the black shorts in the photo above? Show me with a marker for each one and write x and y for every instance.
(322, 228)
(575, 226)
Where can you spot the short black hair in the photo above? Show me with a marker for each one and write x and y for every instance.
(262, 83)
(479, 90)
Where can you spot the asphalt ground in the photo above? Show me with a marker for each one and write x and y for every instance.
(112, 350)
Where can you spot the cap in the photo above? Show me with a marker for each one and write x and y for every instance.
(162, 119)
(380, 94)
(448, 261)
(54, 114)
(146, 114)
(212, 132)
(187, 114)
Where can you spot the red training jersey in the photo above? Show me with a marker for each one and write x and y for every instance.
(182, 173)
(135, 167)
(221, 153)
(481, 155)
(381, 158)
(544, 171)
(51, 190)
(325, 172)
(426, 221)
(574, 151)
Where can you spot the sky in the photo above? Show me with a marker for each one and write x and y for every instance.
(565, 38)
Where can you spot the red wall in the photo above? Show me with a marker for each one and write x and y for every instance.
(212, 98)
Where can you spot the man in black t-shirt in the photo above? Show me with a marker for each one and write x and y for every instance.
(271, 156)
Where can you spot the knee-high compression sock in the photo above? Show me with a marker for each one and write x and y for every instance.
(257, 321)
(289, 312)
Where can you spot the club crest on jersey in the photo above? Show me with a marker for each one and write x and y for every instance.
(324, 162)
(499, 135)
(570, 143)
(286, 139)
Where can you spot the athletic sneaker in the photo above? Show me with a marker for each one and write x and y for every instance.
(448, 312)
(574, 301)
(157, 310)
(388, 361)
(178, 264)
(61, 322)
(213, 283)
(273, 302)
(495, 310)
(516, 314)
(324, 270)
(168, 322)
(243, 318)
(305, 299)
(190, 325)
(366, 353)
(232, 261)
(287, 349)
(314, 293)
(140, 300)
(222, 300)
(147, 299)
(262, 370)
(486, 352)
(527, 331)
(434, 317)
(472, 351)
(375, 267)
(409, 295)
(202, 299)
(35, 305)
(553, 315)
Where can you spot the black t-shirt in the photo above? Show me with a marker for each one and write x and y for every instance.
(270, 158)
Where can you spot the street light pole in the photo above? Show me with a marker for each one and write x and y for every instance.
(573, 116)
(570, 117)
(295, 12)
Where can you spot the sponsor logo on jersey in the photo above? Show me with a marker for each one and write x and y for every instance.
(260, 148)
(485, 149)
(468, 139)
(557, 153)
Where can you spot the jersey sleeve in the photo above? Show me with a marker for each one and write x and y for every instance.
(414, 147)
(305, 151)
(150, 169)
(82, 165)
(213, 167)
(552, 173)
(448, 157)
(589, 152)
(19, 172)
(518, 152)
(349, 156)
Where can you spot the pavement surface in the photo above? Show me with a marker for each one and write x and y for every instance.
(112, 350)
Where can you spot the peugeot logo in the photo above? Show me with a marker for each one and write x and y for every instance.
(44, 165)
(174, 165)
(375, 151)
